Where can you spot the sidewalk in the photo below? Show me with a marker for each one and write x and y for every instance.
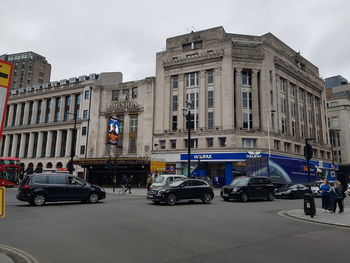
(335, 219)
(13, 255)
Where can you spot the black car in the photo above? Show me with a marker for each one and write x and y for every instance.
(246, 188)
(183, 189)
(293, 191)
(37, 189)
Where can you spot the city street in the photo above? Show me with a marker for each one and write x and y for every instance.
(132, 229)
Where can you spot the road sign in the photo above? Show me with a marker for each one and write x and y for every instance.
(5, 81)
(2, 201)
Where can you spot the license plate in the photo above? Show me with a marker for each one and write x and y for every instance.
(149, 196)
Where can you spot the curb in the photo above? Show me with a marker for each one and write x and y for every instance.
(16, 255)
(286, 214)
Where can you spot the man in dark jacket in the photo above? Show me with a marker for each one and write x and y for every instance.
(344, 182)
(128, 182)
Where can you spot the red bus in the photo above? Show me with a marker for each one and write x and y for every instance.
(10, 169)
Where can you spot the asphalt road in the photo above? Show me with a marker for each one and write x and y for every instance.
(131, 229)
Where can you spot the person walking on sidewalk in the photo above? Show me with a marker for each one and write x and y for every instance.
(149, 181)
(338, 192)
(325, 194)
(128, 183)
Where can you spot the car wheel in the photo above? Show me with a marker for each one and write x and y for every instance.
(244, 197)
(156, 202)
(171, 199)
(206, 199)
(93, 198)
(39, 200)
(271, 197)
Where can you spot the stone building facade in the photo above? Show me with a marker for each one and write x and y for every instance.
(246, 92)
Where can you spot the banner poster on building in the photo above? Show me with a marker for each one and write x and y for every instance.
(113, 130)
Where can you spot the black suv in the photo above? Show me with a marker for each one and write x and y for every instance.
(37, 189)
(183, 189)
(246, 188)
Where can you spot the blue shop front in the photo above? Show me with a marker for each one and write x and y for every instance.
(221, 168)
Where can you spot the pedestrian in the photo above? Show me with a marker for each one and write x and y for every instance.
(339, 197)
(128, 183)
(123, 182)
(324, 189)
(344, 183)
(149, 181)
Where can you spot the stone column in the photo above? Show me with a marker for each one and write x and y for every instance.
(48, 144)
(18, 117)
(40, 144)
(181, 98)
(14, 145)
(203, 95)
(238, 98)
(35, 111)
(7, 145)
(52, 109)
(26, 113)
(63, 105)
(69, 142)
(31, 145)
(218, 103)
(43, 110)
(10, 115)
(126, 134)
(297, 113)
(255, 100)
(22, 146)
(58, 143)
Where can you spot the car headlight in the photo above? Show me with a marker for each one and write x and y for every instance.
(160, 192)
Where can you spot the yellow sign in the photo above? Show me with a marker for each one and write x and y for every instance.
(2, 201)
(5, 73)
(157, 166)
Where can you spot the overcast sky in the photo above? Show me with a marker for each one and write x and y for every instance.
(80, 37)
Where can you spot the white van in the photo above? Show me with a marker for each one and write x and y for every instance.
(164, 179)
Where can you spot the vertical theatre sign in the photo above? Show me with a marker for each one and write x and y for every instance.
(5, 80)
(113, 130)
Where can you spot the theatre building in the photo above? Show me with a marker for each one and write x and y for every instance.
(248, 96)
(47, 125)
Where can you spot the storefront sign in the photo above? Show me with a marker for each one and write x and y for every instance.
(254, 155)
(121, 106)
(203, 156)
(157, 166)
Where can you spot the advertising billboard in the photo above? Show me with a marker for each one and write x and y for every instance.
(113, 131)
(5, 81)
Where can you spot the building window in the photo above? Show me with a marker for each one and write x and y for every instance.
(67, 107)
(175, 105)
(126, 94)
(301, 94)
(247, 100)
(247, 121)
(115, 95)
(334, 122)
(287, 146)
(57, 109)
(210, 142)
(210, 76)
(194, 143)
(38, 114)
(77, 106)
(249, 142)
(293, 128)
(271, 97)
(292, 108)
(192, 45)
(173, 144)
(10, 145)
(297, 148)
(191, 79)
(14, 115)
(246, 78)
(43, 146)
(210, 99)
(85, 114)
(283, 85)
(132, 145)
(63, 143)
(292, 89)
(276, 144)
(22, 114)
(86, 94)
(83, 130)
(210, 120)
(35, 144)
(283, 105)
(133, 123)
(162, 144)
(302, 130)
(283, 125)
(134, 93)
(174, 81)
(222, 141)
(174, 123)
(54, 140)
(48, 110)
(82, 149)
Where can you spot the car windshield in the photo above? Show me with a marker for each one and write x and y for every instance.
(241, 181)
(176, 183)
(159, 179)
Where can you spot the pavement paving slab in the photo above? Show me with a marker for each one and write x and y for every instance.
(336, 219)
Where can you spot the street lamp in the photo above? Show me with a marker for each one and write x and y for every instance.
(187, 115)
(72, 150)
(268, 131)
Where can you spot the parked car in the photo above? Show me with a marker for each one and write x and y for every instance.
(183, 189)
(37, 189)
(292, 191)
(164, 179)
(247, 188)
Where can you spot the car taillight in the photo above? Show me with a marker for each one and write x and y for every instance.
(25, 186)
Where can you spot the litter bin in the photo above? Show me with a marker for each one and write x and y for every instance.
(309, 204)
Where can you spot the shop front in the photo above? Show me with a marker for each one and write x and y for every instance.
(110, 172)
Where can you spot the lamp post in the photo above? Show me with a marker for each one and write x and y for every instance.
(187, 114)
(72, 150)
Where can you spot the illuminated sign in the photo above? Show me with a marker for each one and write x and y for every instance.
(113, 130)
